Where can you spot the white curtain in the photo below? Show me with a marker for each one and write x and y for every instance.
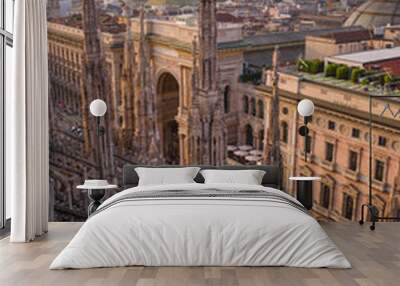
(27, 158)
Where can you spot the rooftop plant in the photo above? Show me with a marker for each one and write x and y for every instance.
(342, 72)
(310, 66)
(330, 70)
(356, 73)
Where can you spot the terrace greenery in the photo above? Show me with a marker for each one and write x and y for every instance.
(355, 75)
(310, 66)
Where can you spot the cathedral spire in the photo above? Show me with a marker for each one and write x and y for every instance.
(195, 98)
(272, 152)
(141, 84)
(100, 149)
(128, 88)
(146, 125)
(208, 44)
(211, 144)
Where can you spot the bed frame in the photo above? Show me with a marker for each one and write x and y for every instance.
(272, 177)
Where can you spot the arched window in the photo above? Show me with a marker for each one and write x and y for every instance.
(261, 139)
(347, 210)
(249, 135)
(284, 132)
(325, 195)
(245, 104)
(227, 99)
(253, 107)
(260, 109)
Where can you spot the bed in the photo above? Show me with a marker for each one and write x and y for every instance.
(197, 224)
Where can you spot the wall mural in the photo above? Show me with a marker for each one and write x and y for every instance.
(180, 89)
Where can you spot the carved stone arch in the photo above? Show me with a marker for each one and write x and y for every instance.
(306, 171)
(163, 70)
(167, 108)
(328, 179)
(351, 190)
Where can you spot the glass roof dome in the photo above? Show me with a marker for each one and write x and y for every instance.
(375, 14)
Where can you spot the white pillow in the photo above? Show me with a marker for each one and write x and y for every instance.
(166, 176)
(248, 177)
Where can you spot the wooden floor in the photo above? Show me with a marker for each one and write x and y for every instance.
(375, 257)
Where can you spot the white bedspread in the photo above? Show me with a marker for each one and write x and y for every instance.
(206, 231)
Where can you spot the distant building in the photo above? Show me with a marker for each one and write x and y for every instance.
(172, 64)
(392, 33)
(343, 42)
(374, 14)
(322, 21)
(338, 149)
(383, 59)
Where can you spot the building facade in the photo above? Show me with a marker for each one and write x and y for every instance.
(338, 151)
(176, 95)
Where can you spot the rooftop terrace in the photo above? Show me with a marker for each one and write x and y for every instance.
(348, 85)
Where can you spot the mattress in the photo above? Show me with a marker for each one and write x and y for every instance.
(201, 225)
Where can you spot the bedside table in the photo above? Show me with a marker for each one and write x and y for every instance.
(96, 194)
(304, 192)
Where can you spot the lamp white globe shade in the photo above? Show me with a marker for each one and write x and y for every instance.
(305, 107)
(98, 107)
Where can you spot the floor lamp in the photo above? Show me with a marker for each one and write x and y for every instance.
(305, 184)
(306, 109)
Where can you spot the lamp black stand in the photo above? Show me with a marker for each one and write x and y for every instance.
(305, 193)
(304, 189)
(303, 131)
(100, 130)
(372, 209)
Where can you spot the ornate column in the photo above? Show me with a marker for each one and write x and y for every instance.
(272, 151)
(95, 79)
(210, 103)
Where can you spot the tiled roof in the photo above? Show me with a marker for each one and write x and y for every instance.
(348, 36)
(226, 17)
(283, 37)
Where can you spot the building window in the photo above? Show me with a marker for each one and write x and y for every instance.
(348, 204)
(382, 141)
(353, 160)
(284, 132)
(227, 99)
(285, 110)
(355, 133)
(245, 104)
(249, 135)
(379, 170)
(329, 148)
(325, 195)
(253, 107)
(331, 125)
(260, 109)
